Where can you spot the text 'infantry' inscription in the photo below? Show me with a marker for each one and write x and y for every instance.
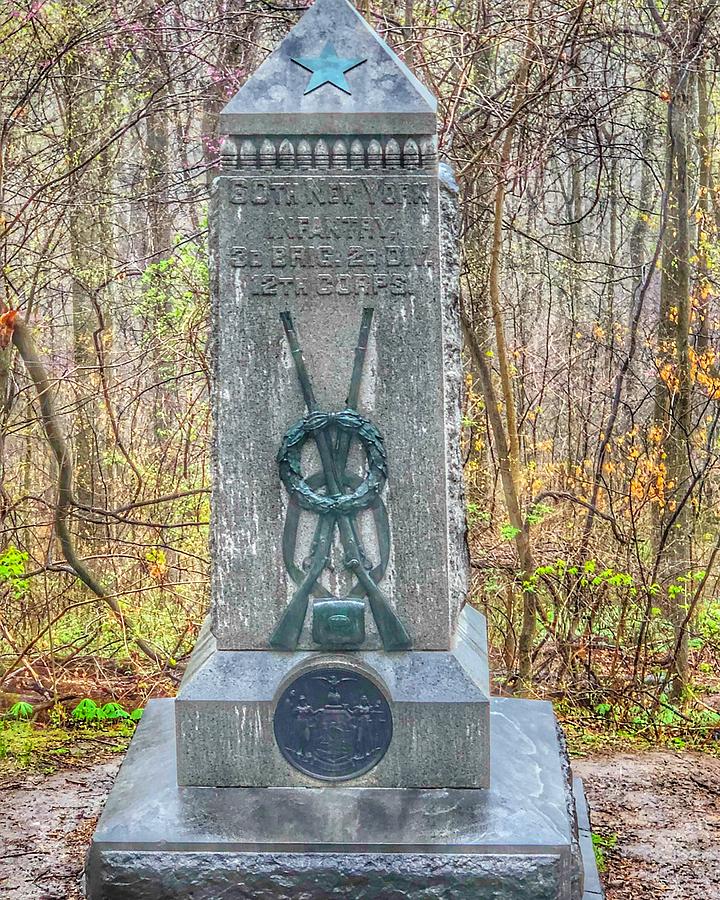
(321, 235)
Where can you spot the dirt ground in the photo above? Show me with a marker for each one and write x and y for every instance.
(663, 808)
(46, 823)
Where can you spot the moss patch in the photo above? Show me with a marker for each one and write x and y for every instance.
(26, 746)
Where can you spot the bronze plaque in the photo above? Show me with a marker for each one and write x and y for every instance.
(333, 724)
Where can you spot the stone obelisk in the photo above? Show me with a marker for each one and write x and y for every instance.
(337, 536)
(333, 735)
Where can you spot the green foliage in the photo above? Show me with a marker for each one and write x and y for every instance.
(623, 724)
(708, 620)
(475, 514)
(590, 616)
(156, 556)
(601, 846)
(509, 532)
(660, 713)
(20, 710)
(113, 711)
(175, 288)
(668, 714)
(26, 746)
(88, 711)
(12, 569)
(538, 512)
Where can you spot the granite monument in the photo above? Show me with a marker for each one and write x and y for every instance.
(334, 734)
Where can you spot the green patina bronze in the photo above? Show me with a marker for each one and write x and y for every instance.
(339, 623)
(336, 496)
(291, 472)
(328, 68)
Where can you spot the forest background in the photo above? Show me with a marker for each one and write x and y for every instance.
(584, 136)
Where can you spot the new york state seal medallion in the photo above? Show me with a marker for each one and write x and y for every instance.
(333, 724)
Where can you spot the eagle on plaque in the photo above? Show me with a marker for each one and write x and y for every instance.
(342, 733)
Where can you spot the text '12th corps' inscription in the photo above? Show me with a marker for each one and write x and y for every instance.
(331, 236)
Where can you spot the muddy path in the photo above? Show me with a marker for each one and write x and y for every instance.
(661, 810)
(46, 822)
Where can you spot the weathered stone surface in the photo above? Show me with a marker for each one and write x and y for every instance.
(459, 560)
(385, 96)
(593, 889)
(327, 206)
(512, 841)
(128, 875)
(324, 247)
(439, 702)
(571, 803)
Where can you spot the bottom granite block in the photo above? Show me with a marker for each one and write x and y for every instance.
(593, 888)
(517, 840)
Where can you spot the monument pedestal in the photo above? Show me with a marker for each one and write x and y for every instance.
(334, 735)
(516, 840)
(439, 704)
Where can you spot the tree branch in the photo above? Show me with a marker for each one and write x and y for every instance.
(23, 341)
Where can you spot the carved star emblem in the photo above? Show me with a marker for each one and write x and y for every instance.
(328, 68)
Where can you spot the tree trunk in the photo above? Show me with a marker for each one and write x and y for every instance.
(706, 231)
(523, 546)
(408, 34)
(88, 236)
(673, 525)
(159, 245)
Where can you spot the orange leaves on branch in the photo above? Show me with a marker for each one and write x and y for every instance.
(7, 326)
(649, 480)
(156, 564)
(158, 572)
(664, 96)
(704, 371)
(704, 291)
(668, 376)
(640, 458)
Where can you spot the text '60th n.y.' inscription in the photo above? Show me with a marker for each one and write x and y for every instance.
(329, 236)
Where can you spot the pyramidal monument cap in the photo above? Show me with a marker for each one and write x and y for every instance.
(332, 74)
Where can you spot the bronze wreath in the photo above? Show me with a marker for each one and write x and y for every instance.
(288, 459)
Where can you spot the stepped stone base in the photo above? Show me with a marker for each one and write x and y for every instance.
(440, 703)
(517, 840)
